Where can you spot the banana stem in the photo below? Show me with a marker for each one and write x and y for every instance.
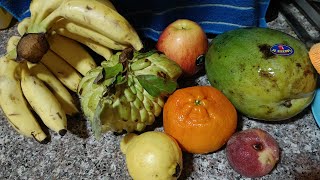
(36, 28)
(24, 69)
(45, 24)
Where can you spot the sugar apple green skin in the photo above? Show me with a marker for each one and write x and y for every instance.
(113, 98)
(261, 84)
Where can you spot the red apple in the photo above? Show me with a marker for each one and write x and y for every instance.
(252, 153)
(183, 41)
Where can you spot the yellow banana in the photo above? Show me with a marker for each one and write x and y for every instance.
(97, 48)
(39, 10)
(56, 87)
(62, 70)
(48, 6)
(88, 33)
(43, 102)
(72, 52)
(11, 47)
(12, 43)
(13, 103)
(96, 16)
(105, 52)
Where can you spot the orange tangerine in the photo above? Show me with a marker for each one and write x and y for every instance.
(200, 118)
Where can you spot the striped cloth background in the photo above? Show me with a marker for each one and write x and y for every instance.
(19, 9)
(214, 16)
(150, 17)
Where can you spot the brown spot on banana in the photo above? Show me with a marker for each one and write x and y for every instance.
(59, 115)
(14, 114)
(12, 97)
(89, 8)
(14, 126)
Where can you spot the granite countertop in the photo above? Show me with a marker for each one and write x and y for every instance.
(78, 155)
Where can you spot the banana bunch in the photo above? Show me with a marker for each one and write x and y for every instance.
(69, 25)
(127, 92)
(27, 88)
(59, 78)
(92, 23)
(13, 103)
(21, 89)
(47, 62)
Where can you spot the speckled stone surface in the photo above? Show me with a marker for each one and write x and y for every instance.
(78, 155)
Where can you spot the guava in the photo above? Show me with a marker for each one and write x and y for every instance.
(152, 155)
(265, 73)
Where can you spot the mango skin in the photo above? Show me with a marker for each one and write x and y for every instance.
(260, 84)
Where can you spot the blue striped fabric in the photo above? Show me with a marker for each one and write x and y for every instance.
(215, 16)
(150, 17)
(19, 9)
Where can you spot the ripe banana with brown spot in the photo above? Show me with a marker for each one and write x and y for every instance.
(88, 33)
(96, 16)
(40, 9)
(56, 87)
(42, 101)
(72, 52)
(97, 48)
(48, 6)
(62, 70)
(13, 103)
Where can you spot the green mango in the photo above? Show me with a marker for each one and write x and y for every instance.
(265, 73)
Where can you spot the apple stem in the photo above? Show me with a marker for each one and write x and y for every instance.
(257, 147)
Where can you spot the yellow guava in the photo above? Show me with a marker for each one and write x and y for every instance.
(152, 155)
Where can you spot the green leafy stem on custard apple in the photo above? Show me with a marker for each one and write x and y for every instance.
(115, 72)
(153, 84)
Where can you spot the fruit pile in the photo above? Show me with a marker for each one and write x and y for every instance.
(262, 73)
(49, 60)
